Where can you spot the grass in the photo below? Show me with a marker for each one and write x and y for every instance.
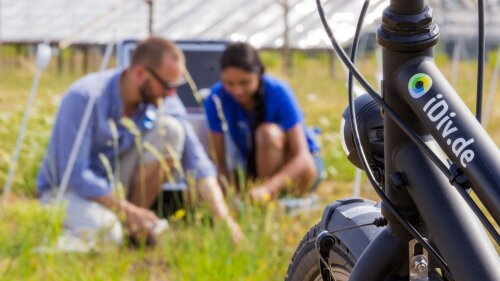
(195, 248)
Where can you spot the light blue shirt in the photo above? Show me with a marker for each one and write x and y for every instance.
(89, 176)
(194, 160)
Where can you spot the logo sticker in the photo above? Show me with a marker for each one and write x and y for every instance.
(419, 84)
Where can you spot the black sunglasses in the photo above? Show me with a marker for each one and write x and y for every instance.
(167, 85)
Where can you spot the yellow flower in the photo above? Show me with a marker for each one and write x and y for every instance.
(179, 214)
(267, 197)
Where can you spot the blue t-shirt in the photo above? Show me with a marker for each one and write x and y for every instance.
(281, 108)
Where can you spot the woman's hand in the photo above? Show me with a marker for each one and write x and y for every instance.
(260, 194)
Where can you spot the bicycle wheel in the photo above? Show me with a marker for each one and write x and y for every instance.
(304, 265)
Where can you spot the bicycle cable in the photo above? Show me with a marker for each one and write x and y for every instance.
(350, 86)
(408, 131)
(364, 161)
(480, 60)
(378, 222)
(451, 175)
(327, 266)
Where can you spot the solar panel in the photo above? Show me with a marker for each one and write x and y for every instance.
(259, 22)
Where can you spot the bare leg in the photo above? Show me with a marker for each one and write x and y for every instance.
(144, 178)
(146, 184)
(273, 157)
(270, 150)
(307, 177)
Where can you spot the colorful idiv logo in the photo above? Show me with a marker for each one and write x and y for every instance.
(419, 84)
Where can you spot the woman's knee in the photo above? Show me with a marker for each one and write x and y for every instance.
(270, 135)
(308, 176)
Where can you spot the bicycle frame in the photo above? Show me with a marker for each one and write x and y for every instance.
(415, 88)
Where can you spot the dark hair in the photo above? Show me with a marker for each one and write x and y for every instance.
(150, 52)
(242, 55)
(245, 57)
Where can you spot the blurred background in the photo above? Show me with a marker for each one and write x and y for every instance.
(294, 47)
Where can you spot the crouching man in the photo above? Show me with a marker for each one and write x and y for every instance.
(119, 149)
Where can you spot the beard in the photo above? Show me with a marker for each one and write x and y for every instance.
(147, 95)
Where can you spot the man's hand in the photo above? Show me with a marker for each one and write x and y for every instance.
(210, 191)
(139, 221)
(236, 234)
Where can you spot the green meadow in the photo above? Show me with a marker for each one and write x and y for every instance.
(194, 247)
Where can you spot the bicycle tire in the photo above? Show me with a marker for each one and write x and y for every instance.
(304, 265)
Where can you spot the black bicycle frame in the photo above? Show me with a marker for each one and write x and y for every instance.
(415, 88)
